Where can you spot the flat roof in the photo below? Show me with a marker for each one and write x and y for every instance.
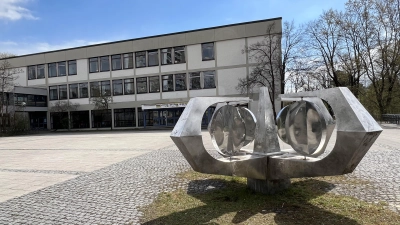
(160, 35)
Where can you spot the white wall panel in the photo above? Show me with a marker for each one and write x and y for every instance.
(229, 53)
(147, 70)
(21, 77)
(81, 101)
(124, 98)
(150, 96)
(101, 75)
(122, 73)
(174, 94)
(203, 92)
(251, 41)
(36, 82)
(174, 68)
(228, 80)
(56, 80)
(195, 58)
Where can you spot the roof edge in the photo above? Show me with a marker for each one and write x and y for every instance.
(134, 39)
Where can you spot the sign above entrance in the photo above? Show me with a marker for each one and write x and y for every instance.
(164, 106)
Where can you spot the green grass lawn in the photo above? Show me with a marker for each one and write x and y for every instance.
(305, 202)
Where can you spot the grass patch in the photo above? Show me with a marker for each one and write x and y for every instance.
(305, 202)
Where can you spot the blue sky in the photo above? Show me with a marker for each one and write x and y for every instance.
(30, 26)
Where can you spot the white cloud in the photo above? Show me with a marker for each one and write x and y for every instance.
(12, 10)
(24, 48)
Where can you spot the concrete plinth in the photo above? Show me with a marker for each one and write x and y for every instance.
(268, 186)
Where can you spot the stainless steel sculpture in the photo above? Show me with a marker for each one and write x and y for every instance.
(306, 125)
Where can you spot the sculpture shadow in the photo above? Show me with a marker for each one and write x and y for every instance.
(221, 197)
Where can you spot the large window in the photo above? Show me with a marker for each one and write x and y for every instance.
(200, 80)
(124, 117)
(83, 90)
(154, 84)
(128, 61)
(73, 91)
(62, 92)
(140, 59)
(52, 69)
(61, 69)
(101, 118)
(116, 62)
(94, 65)
(72, 67)
(141, 85)
(95, 89)
(40, 71)
(207, 51)
(105, 88)
(194, 82)
(80, 119)
(179, 54)
(104, 64)
(153, 57)
(53, 93)
(100, 88)
(209, 79)
(167, 83)
(129, 86)
(166, 56)
(117, 87)
(31, 72)
(180, 82)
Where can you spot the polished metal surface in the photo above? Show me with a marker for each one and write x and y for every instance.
(227, 130)
(266, 138)
(250, 124)
(280, 123)
(356, 132)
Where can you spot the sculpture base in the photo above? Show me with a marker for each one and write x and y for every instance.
(268, 186)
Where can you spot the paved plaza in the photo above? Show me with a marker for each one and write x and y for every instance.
(105, 177)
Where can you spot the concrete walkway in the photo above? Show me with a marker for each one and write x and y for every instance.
(104, 177)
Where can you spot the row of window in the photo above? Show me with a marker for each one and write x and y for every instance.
(58, 69)
(142, 59)
(152, 84)
(148, 58)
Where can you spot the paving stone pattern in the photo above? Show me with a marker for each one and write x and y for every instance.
(113, 195)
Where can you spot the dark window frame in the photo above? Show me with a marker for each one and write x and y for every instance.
(185, 81)
(145, 80)
(58, 69)
(123, 60)
(162, 82)
(168, 52)
(149, 81)
(140, 54)
(190, 80)
(81, 92)
(70, 96)
(94, 59)
(133, 85)
(202, 51)
(149, 52)
(120, 62)
(117, 82)
(59, 92)
(184, 53)
(55, 87)
(29, 72)
(72, 62)
(124, 111)
(44, 71)
(204, 79)
(49, 66)
(101, 63)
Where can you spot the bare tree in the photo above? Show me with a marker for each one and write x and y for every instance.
(8, 75)
(273, 56)
(60, 111)
(102, 99)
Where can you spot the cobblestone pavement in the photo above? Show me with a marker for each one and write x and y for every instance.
(113, 194)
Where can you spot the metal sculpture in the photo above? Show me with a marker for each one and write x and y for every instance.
(306, 125)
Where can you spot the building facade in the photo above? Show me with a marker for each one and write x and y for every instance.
(146, 81)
